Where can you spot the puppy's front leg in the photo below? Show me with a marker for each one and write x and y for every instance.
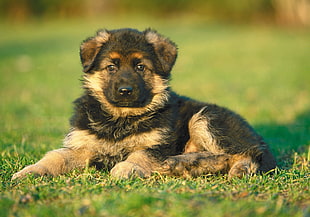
(138, 164)
(56, 162)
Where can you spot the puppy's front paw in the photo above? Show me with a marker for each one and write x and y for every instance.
(34, 169)
(127, 170)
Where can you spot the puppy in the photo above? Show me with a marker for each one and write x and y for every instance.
(130, 122)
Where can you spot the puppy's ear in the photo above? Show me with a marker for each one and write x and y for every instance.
(91, 47)
(165, 49)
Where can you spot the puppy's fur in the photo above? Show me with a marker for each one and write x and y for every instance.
(130, 122)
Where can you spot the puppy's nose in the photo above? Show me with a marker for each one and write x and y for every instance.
(125, 91)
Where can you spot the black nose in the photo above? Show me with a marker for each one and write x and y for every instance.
(125, 91)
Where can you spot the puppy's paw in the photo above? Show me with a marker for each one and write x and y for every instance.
(34, 169)
(127, 170)
(242, 168)
(174, 165)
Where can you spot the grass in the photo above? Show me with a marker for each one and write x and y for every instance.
(260, 72)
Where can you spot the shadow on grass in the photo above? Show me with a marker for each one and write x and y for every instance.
(286, 139)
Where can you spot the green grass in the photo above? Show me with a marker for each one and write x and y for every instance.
(260, 72)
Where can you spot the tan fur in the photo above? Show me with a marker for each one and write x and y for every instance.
(57, 162)
(137, 55)
(203, 163)
(81, 147)
(114, 55)
(195, 164)
(152, 37)
(162, 45)
(138, 164)
(241, 165)
(102, 36)
(90, 48)
(203, 140)
(192, 147)
(157, 40)
(82, 139)
(201, 137)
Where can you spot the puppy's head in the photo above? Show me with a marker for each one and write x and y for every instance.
(127, 71)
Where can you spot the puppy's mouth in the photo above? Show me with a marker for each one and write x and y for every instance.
(127, 103)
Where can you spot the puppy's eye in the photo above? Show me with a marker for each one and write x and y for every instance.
(111, 68)
(140, 67)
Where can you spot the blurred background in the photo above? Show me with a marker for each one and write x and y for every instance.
(284, 12)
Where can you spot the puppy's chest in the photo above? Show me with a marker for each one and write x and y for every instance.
(133, 142)
(100, 147)
(122, 128)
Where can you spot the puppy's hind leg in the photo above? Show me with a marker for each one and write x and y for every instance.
(202, 155)
(195, 164)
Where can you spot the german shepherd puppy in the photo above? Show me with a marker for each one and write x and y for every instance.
(130, 122)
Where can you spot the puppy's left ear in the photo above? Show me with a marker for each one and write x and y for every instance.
(165, 49)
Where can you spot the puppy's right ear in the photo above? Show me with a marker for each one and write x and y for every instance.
(91, 47)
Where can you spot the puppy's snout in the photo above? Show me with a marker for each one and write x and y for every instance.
(125, 90)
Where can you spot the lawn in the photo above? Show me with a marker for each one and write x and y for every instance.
(261, 72)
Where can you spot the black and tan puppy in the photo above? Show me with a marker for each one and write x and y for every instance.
(129, 121)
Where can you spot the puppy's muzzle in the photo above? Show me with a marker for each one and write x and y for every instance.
(128, 89)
